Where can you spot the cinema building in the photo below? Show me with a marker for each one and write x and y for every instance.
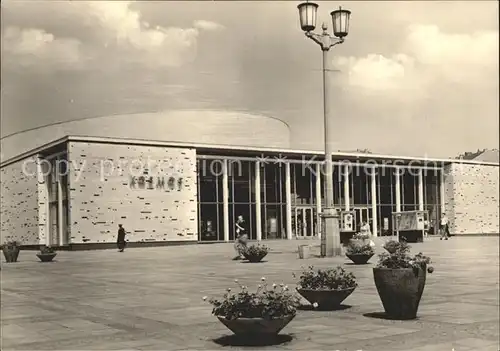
(184, 176)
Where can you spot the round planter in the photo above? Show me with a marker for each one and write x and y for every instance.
(326, 299)
(359, 258)
(46, 257)
(11, 255)
(400, 290)
(258, 327)
(254, 258)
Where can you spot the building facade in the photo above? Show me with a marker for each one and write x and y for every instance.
(75, 190)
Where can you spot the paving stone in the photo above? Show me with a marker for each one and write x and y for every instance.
(150, 299)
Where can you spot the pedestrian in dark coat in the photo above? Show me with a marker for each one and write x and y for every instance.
(120, 242)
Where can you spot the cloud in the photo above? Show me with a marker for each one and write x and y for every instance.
(110, 32)
(24, 46)
(426, 58)
(207, 25)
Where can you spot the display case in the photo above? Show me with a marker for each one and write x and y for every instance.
(347, 226)
(410, 225)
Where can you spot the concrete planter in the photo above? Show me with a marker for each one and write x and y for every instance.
(400, 290)
(359, 258)
(256, 327)
(254, 258)
(46, 257)
(326, 299)
(11, 254)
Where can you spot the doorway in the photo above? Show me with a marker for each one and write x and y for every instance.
(362, 215)
(305, 222)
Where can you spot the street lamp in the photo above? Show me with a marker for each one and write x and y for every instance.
(330, 239)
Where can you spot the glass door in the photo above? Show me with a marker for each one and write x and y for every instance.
(362, 215)
(305, 222)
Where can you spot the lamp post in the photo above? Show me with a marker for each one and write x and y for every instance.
(330, 238)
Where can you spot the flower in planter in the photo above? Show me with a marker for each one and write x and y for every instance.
(401, 301)
(326, 279)
(255, 253)
(47, 250)
(326, 288)
(358, 247)
(398, 256)
(266, 303)
(393, 246)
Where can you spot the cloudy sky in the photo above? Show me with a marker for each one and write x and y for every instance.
(417, 78)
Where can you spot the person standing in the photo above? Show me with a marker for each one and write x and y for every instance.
(444, 227)
(241, 237)
(120, 242)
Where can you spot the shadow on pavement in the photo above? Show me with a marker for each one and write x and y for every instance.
(382, 315)
(311, 308)
(236, 340)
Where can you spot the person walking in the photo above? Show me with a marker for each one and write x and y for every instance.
(120, 241)
(444, 227)
(241, 237)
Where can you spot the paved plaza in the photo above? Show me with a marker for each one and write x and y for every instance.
(151, 299)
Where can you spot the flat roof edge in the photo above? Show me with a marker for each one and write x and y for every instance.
(83, 138)
(33, 152)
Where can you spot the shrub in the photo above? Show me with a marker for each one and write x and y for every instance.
(268, 303)
(359, 247)
(45, 250)
(393, 246)
(362, 236)
(255, 250)
(326, 279)
(400, 258)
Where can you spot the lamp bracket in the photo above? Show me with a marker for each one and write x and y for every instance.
(324, 40)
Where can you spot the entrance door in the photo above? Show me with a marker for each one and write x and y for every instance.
(305, 222)
(362, 215)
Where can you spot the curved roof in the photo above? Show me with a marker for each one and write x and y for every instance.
(187, 126)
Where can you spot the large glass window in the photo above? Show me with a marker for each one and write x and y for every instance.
(303, 185)
(385, 186)
(338, 185)
(409, 183)
(242, 196)
(432, 203)
(304, 211)
(211, 223)
(273, 201)
(57, 182)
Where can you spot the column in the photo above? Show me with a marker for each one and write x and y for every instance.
(347, 195)
(441, 192)
(420, 190)
(318, 199)
(258, 207)
(374, 201)
(60, 217)
(398, 189)
(288, 197)
(225, 199)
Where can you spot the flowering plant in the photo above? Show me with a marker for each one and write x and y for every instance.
(362, 236)
(392, 246)
(45, 250)
(327, 279)
(265, 302)
(359, 247)
(255, 250)
(399, 257)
